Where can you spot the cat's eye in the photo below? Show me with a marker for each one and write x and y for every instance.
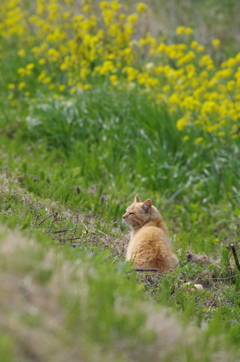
(131, 213)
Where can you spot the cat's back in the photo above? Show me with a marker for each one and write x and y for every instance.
(150, 248)
(150, 236)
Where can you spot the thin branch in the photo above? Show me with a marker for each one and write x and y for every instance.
(58, 231)
(232, 276)
(235, 256)
(154, 269)
(54, 213)
(150, 269)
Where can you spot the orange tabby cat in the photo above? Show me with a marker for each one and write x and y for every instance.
(149, 246)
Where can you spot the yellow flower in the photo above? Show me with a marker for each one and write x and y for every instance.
(230, 85)
(181, 124)
(107, 67)
(77, 18)
(87, 86)
(200, 48)
(115, 5)
(194, 44)
(216, 43)
(188, 31)
(186, 58)
(133, 19)
(30, 66)
(198, 140)
(21, 85)
(206, 61)
(183, 30)
(63, 66)
(21, 71)
(162, 47)
(78, 47)
(21, 53)
(46, 80)
(225, 73)
(66, 15)
(180, 30)
(114, 80)
(166, 88)
(141, 7)
(53, 54)
(42, 61)
(41, 76)
(61, 88)
(86, 8)
(231, 62)
(103, 5)
(122, 16)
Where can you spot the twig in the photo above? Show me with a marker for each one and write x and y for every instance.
(223, 278)
(54, 213)
(156, 269)
(153, 269)
(235, 256)
(58, 231)
(150, 269)
(84, 225)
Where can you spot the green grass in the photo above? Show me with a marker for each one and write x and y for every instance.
(97, 305)
(51, 183)
(124, 141)
(43, 201)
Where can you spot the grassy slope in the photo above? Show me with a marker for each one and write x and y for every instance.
(64, 305)
(30, 192)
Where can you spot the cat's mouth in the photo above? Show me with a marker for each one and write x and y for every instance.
(130, 223)
(126, 220)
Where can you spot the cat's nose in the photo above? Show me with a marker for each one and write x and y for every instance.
(125, 215)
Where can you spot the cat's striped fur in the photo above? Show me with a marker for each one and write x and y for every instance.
(149, 246)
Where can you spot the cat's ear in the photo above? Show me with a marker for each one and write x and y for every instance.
(147, 205)
(137, 199)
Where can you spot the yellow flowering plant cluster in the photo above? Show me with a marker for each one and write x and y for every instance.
(64, 46)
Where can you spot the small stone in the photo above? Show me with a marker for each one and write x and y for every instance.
(193, 288)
